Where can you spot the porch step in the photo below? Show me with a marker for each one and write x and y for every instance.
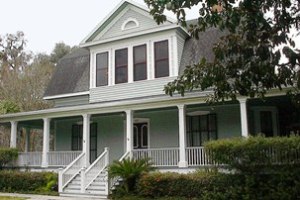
(98, 186)
(74, 186)
(90, 196)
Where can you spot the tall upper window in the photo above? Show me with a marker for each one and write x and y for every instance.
(102, 69)
(121, 66)
(161, 57)
(140, 62)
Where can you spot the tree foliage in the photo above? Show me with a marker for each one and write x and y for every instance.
(257, 54)
(7, 106)
(60, 50)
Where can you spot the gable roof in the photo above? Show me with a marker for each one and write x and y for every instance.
(71, 74)
(194, 50)
(106, 21)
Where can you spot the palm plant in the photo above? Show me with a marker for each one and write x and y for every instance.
(130, 171)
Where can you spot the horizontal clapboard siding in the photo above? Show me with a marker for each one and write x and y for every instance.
(71, 101)
(129, 90)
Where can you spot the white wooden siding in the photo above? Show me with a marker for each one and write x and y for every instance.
(180, 45)
(144, 19)
(129, 90)
(71, 101)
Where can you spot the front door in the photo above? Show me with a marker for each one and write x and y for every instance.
(140, 135)
(77, 132)
(265, 121)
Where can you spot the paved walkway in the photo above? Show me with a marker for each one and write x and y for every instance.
(43, 197)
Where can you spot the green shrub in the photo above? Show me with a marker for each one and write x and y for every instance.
(27, 182)
(130, 171)
(7, 156)
(256, 154)
(220, 186)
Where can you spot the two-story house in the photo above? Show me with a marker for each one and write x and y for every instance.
(109, 104)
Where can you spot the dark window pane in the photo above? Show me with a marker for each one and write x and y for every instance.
(212, 122)
(161, 50)
(145, 136)
(266, 123)
(203, 121)
(102, 69)
(135, 137)
(161, 68)
(121, 63)
(140, 63)
(140, 72)
(102, 60)
(121, 57)
(161, 59)
(200, 129)
(139, 54)
(121, 74)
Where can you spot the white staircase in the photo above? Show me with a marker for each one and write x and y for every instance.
(75, 180)
(99, 185)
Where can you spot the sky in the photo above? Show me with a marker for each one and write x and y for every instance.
(46, 22)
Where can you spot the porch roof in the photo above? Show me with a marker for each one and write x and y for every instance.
(109, 107)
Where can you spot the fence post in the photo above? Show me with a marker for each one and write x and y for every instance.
(60, 180)
(82, 184)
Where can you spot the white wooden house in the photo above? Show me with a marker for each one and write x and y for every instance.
(109, 104)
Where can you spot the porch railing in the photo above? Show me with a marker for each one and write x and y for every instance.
(160, 157)
(62, 158)
(197, 156)
(71, 171)
(29, 159)
(96, 168)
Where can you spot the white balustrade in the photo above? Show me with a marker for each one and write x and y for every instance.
(29, 159)
(96, 168)
(62, 158)
(71, 171)
(198, 156)
(160, 157)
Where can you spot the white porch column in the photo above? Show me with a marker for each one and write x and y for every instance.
(13, 134)
(129, 131)
(27, 140)
(182, 136)
(86, 138)
(244, 118)
(46, 141)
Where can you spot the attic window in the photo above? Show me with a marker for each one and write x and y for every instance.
(130, 23)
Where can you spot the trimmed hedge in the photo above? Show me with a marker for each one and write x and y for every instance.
(28, 182)
(7, 156)
(214, 185)
(256, 154)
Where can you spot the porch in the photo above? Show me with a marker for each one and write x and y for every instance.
(170, 133)
(55, 159)
(172, 136)
(159, 157)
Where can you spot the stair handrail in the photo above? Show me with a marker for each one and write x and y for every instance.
(97, 167)
(75, 167)
(113, 181)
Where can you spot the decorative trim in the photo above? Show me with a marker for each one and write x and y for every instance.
(66, 95)
(140, 33)
(123, 27)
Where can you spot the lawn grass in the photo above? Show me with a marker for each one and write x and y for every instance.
(11, 198)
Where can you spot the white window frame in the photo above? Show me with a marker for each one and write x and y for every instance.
(169, 52)
(149, 42)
